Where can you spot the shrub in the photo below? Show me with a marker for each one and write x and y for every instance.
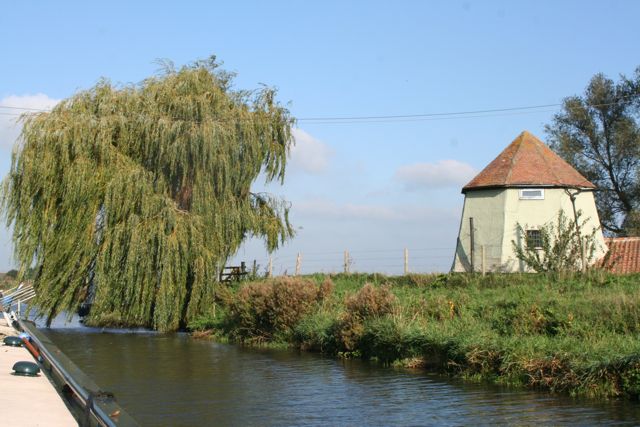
(325, 290)
(265, 309)
(562, 246)
(369, 302)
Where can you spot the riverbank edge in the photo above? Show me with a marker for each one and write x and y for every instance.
(438, 362)
(482, 361)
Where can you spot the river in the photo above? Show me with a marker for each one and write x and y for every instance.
(173, 380)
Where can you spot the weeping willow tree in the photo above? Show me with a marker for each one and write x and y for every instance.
(135, 197)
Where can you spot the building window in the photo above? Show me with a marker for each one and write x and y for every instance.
(534, 239)
(532, 194)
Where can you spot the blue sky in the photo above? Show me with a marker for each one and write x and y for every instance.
(371, 188)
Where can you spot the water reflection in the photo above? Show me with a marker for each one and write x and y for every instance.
(172, 380)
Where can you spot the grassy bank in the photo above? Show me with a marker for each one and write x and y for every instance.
(575, 334)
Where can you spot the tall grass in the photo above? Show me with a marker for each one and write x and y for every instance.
(574, 333)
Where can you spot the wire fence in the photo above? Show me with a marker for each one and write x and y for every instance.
(389, 261)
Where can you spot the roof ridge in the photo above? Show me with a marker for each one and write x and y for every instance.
(519, 140)
(528, 161)
(540, 148)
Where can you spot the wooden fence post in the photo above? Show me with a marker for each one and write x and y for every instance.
(346, 262)
(472, 245)
(298, 263)
(406, 261)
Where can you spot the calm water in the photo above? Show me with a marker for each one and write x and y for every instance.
(172, 380)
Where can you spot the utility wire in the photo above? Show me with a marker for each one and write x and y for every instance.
(428, 119)
(530, 109)
(410, 116)
(450, 115)
(13, 107)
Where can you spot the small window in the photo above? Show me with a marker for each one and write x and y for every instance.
(534, 239)
(532, 194)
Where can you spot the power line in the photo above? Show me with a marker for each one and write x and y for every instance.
(410, 116)
(13, 107)
(530, 109)
(428, 119)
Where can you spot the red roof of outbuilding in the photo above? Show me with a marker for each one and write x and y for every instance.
(527, 161)
(624, 255)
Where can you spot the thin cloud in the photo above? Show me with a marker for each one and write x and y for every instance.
(430, 176)
(309, 154)
(328, 209)
(9, 126)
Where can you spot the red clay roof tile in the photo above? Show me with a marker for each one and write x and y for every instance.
(527, 161)
(624, 255)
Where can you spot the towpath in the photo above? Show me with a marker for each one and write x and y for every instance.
(27, 401)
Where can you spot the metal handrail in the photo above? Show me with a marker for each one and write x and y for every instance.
(22, 291)
(27, 293)
(18, 290)
(16, 296)
(98, 406)
(22, 296)
(14, 288)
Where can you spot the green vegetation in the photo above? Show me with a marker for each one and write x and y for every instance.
(8, 280)
(133, 197)
(598, 133)
(562, 246)
(575, 333)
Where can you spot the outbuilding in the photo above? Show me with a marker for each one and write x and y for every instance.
(527, 184)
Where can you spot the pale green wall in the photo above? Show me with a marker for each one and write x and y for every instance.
(487, 207)
(496, 213)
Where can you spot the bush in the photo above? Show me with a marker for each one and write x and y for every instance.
(562, 246)
(326, 290)
(369, 302)
(266, 309)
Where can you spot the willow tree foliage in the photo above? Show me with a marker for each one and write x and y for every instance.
(599, 134)
(134, 197)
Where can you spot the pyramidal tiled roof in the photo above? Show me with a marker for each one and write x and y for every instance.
(527, 161)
